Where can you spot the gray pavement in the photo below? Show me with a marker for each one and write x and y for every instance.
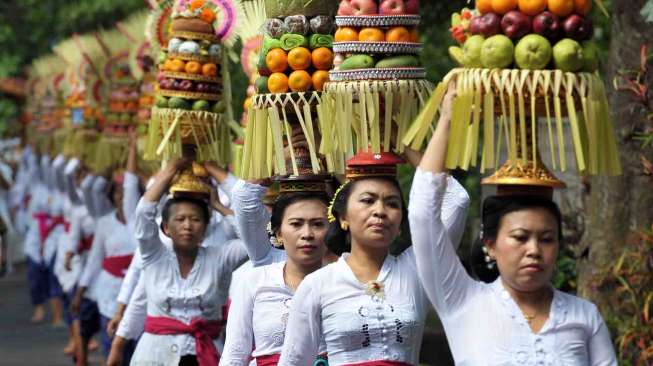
(23, 343)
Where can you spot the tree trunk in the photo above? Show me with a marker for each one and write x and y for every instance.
(618, 207)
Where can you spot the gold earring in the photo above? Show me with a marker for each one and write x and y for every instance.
(344, 226)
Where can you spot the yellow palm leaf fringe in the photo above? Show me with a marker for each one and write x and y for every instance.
(573, 105)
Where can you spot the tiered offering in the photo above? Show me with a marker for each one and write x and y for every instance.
(377, 86)
(83, 101)
(192, 92)
(523, 60)
(377, 40)
(285, 115)
(297, 53)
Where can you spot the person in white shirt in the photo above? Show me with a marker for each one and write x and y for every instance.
(111, 252)
(182, 283)
(520, 319)
(368, 307)
(259, 311)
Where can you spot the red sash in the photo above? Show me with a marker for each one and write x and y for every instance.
(117, 265)
(204, 331)
(43, 220)
(268, 360)
(85, 244)
(66, 226)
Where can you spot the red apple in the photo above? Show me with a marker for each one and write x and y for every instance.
(548, 25)
(392, 7)
(577, 27)
(516, 24)
(412, 6)
(490, 24)
(475, 25)
(358, 7)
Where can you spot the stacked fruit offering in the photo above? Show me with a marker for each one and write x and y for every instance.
(377, 40)
(526, 34)
(123, 99)
(297, 54)
(189, 69)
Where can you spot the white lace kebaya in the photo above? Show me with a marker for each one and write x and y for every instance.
(199, 295)
(484, 325)
(381, 321)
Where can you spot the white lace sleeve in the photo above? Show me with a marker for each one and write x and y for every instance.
(240, 334)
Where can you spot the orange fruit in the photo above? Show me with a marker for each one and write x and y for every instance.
(276, 60)
(299, 58)
(322, 58)
(346, 34)
(414, 35)
(532, 7)
(398, 34)
(210, 69)
(177, 65)
(300, 81)
(582, 7)
(167, 65)
(193, 67)
(561, 8)
(278, 83)
(319, 78)
(247, 103)
(503, 6)
(484, 6)
(371, 35)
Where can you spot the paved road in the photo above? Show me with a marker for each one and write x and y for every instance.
(22, 343)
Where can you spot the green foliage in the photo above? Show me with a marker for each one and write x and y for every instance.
(29, 29)
(631, 312)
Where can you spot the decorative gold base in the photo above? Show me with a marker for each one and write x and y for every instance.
(520, 174)
(191, 181)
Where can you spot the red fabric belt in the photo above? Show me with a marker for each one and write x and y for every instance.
(268, 360)
(380, 363)
(204, 331)
(43, 220)
(66, 226)
(85, 244)
(117, 265)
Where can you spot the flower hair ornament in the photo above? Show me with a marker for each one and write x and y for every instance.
(330, 216)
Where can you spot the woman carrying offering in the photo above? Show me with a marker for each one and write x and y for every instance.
(260, 309)
(368, 307)
(520, 319)
(182, 282)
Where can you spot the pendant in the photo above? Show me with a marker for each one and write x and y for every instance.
(376, 290)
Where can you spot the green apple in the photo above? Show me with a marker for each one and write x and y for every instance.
(219, 107)
(178, 103)
(533, 52)
(201, 105)
(161, 101)
(497, 52)
(568, 55)
(472, 51)
(590, 56)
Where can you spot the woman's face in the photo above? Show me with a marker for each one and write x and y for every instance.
(186, 225)
(526, 249)
(303, 228)
(116, 195)
(374, 213)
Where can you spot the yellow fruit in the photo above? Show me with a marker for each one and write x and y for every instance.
(276, 60)
(300, 81)
(278, 83)
(299, 58)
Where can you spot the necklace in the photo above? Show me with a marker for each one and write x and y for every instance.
(529, 318)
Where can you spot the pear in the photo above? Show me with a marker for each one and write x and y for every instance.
(471, 56)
